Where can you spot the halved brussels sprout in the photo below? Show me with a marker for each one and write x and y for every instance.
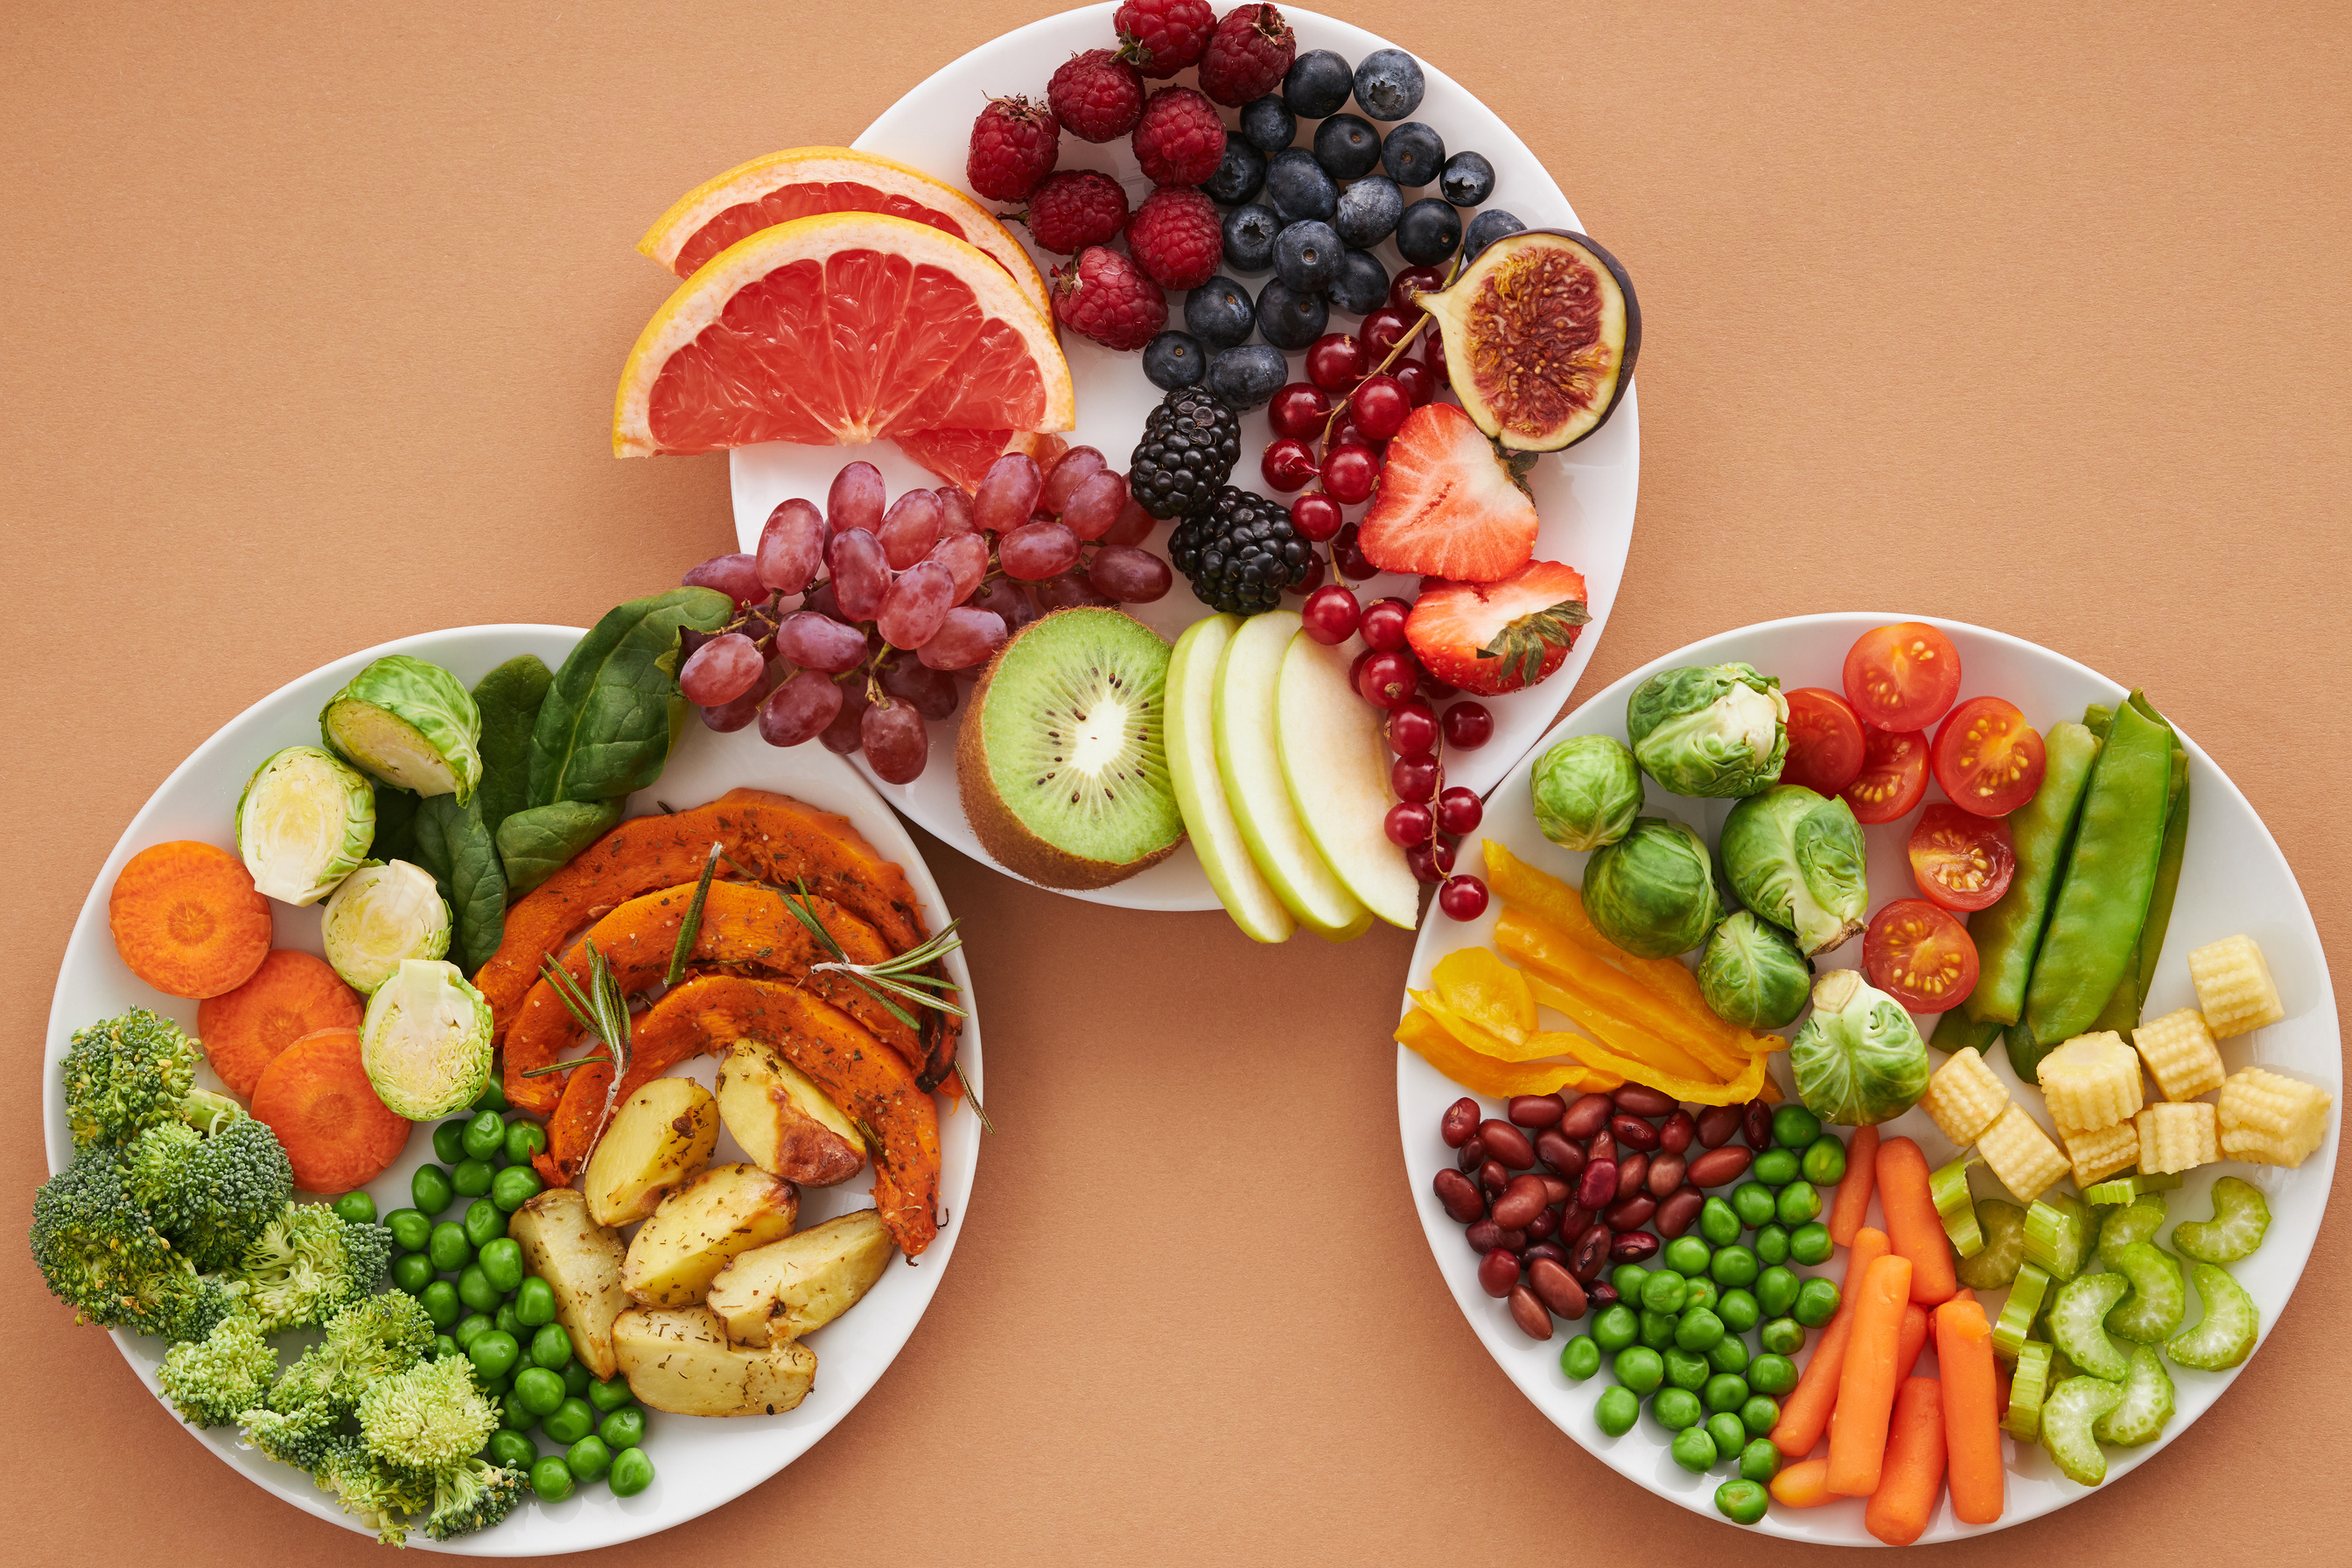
(409, 723)
(303, 824)
(425, 1041)
(1587, 792)
(1859, 1060)
(1796, 859)
(1714, 731)
(382, 914)
(1652, 892)
(1752, 975)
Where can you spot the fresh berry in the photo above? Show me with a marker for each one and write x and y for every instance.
(1384, 330)
(1179, 141)
(1383, 625)
(1348, 556)
(1414, 280)
(1430, 862)
(1013, 144)
(1348, 146)
(1176, 238)
(1097, 95)
(1492, 638)
(1163, 37)
(1190, 443)
(1316, 84)
(1240, 176)
(1486, 229)
(1346, 432)
(1361, 285)
(1299, 410)
(1467, 179)
(1415, 777)
(1336, 362)
(1459, 811)
(1288, 319)
(1413, 730)
(1247, 54)
(1268, 125)
(1412, 153)
(1247, 377)
(1239, 553)
(1409, 823)
(1249, 237)
(1386, 680)
(1428, 232)
(1432, 354)
(1368, 210)
(1463, 897)
(1316, 515)
(1222, 314)
(1388, 84)
(1104, 296)
(1415, 378)
(1348, 474)
(1287, 464)
(1298, 188)
(1306, 255)
(1448, 506)
(1312, 580)
(1380, 406)
(1434, 689)
(1173, 361)
(1074, 209)
(1330, 613)
(1468, 726)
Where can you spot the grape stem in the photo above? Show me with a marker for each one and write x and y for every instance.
(1395, 353)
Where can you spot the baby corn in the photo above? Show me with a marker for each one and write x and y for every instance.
(2021, 1154)
(2180, 1056)
(2176, 1137)
(2270, 1120)
(2091, 1083)
(2234, 988)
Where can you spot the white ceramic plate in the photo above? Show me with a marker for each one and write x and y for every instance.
(700, 1462)
(1585, 494)
(2234, 881)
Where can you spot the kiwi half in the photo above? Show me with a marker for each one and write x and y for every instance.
(1061, 760)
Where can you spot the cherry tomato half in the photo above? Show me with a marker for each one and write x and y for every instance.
(1902, 677)
(1894, 775)
(1919, 955)
(1825, 742)
(1988, 758)
(1960, 861)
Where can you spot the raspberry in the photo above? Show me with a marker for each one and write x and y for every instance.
(1177, 237)
(1163, 37)
(1103, 297)
(1179, 140)
(1097, 95)
(1074, 209)
(1248, 55)
(1013, 145)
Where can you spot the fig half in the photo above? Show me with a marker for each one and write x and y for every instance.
(1542, 330)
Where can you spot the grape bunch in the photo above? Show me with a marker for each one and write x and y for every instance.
(852, 623)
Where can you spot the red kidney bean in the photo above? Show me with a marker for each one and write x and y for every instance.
(1484, 1236)
(1533, 1110)
(1493, 1178)
(1498, 1273)
(1587, 1115)
(1556, 1288)
(1471, 1155)
(1520, 1202)
(1632, 1247)
(1533, 1318)
(1599, 1186)
(1600, 1295)
(1632, 1171)
(1544, 1226)
(1551, 1249)
(1573, 1219)
(1590, 1251)
(1717, 1166)
(1507, 1143)
(1665, 1174)
(1463, 1200)
(1460, 1120)
(1678, 1210)
(1674, 1132)
(1561, 1153)
(1633, 1132)
(1631, 1214)
(1756, 1124)
(1558, 1191)
(1603, 1147)
(1717, 1123)
(1641, 1100)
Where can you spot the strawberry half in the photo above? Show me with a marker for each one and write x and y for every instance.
(1448, 505)
(1493, 637)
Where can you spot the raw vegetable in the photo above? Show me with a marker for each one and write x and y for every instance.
(395, 822)
(1796, 859)
(213, 1381)
(1971, 1411)
(2240, 1219)
(187, 918)
(1955, 1031)
(210, 1182)
(2057, 1235)
(316, 1098)
(2225, 1335)
(2069, 1416)
(1423, 1033)
(2027, 1382)
(1893, 776)
(2027, 1294)
(509, 699)
(1961, 861)
(2137, 1221)
(2157, 1300)
(1752, 974)
(288, 996)
(1652, 892)
(1717, 731)
(2122, 1012)
(309, 1265)
(427, 1040)
(2129, 1190)
(1805, 1413)
(1825, 742)
(1920, 956)
(381, 915)
(1910, 1340)
(2008, 934)
(1902, 677)
(408, 723)
(1851, 1206)
(2147, 1403)
(1867, 1380)
(454, 844)
(1805, 1484)
(1948, 1189)
(1988, 758)
(1858, 1058)
(2078, 1324)
(1556, 957)
(1913, 1471)
(304, 822)
(1912, 1224)
(613, 711)
(1588, 790)
(536, 843)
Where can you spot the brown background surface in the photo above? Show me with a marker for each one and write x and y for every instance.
(308, 321)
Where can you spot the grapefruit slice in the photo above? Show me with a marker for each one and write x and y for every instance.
(838, 331)
(961, 457)
(802, 182)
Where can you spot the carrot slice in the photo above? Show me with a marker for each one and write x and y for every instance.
(1911, 1222)
(1852, 1203)
(290, 995)
(1805, 1413)
(1866, 1383)
(1914, 1470)
(187, 918)
(1805, 1484)
(1972, 1407)
(316, 1096)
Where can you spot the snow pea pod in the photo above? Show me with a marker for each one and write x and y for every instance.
(2008, 932)
(2123, 1009)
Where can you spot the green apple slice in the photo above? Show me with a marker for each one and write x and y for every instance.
(1335, 766)
(1189, 730)
(1249, 759)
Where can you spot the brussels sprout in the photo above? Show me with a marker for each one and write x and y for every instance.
(1652, 892)
(382, 914)
(1752, 975)
(1716, 730)
(1587, 790)
(408, 723)
(1859, 1060)
(303, 824)
(425, 1041)
(1797, 860)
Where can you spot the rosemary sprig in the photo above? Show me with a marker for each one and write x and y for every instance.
(896, 977)
(599, 1007)
(691, 927)
(969, 1093)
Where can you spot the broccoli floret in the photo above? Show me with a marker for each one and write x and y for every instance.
(379, 1335)
(428, 1417)
(301, 1436)
(125, 1075)
(307, 1263)
(379, 1495)
(211, 1195)
(155, 1172)
(472, 1495)
(104, 1258)
(214, 1380)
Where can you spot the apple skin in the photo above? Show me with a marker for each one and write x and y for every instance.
(1190, 732)
(1334, 765)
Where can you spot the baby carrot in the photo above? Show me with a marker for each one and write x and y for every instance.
(1805, 1413)
(1866, 1383)
(1805, 1484)
(1910, 1341)
(1914, 1471)
(1912, 1223)
(1851, 1206)
(1972, 1406)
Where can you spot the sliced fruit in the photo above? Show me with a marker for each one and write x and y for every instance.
(1447, 506)
(1061, 762)
(803, 181)
(1541, 331)
(1209, 821)
(1494, 638)
(1249, 759)
(840, 329)
(961, 457)
(1335, 766)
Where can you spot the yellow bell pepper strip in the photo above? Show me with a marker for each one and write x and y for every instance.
(1418, 1031)
(1620, 1032)
(1540, 948)
(1749, 1085)
(1481, 987)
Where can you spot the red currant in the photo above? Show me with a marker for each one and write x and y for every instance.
(1458, 811)
(1314, 578)
(1415, 378)
(1330, 613)
(1463, 897)
(1386, 680)
(1347, 557)
(1384, 625)
(1413, 730)
(1348, 474)
(1299, 409)
(1431, 862)
(1287, 464)
(1435, 690)
(1407, 824)
(1414, 281)
(1434, 356)
(1316, 517)
(1336, 362)
(1379, 406)
(1414, 778)
(1356, 668)
(1468, 726)
(1384, 330)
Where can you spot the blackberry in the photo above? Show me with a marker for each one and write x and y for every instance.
(1239, 552)
(1190, 443)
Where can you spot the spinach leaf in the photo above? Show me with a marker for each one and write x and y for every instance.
(509, 698)
(534, 845)
(614, 711)
(395, 825)
(455, 847)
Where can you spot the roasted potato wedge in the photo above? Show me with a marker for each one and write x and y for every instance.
(563, 1244)
(783, 1121)
(726, 1210)
(678, 1359)
(657, 1139)
(797, 1286)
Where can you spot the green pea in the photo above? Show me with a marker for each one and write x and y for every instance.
(1772, 1243)
(1639, 1368)
(493, 1097)
(449, 1141)
(410, 1230)
(1817, 1303)
(569, 1422)
(1676, 1408)
(470, 1327)
(493, 1389)
(578, 1380)
(431, 1190)
(1614, 1412)
(513, 1449)
(484, 1222)
(1811, 1245)
(514, 1187)
(1824, 1161)
(471, 1178)
(1628, 1278)
(1725, 1390)
(1729, 1355)
(501, 1263)
(1734, 1266)
(552, 1347)
(1698, 1331)
(589, 1459)
(1719, 1222)
(1776, 1290)
(534, 1301)
(1760, 1414)
(1742, 1501)
(1793, 1126)
(1800, 1202)
(1700, 1292)
(1776, 1167)
(494, 1353)
(1687, 1255)
(443, 1346)
(1772, 1374)
(1753, 1202)
(449, 1249)
(1579, 1358)
(1616, 1328)
(355, 1208)
(614, 1392)
(1759, 1459)
(1657, 1329)
(514, 1416)
(1739, 1312)
(1729, 1435)
(1784, 1336)
(505, 1320)
(551, 1479)
(523, 1140)
(411, 1271)
(541, 1391)
(1694, 1450)
(484, 1134)
(1686, 1370)
(473, 1288)
(441, 1303)
(1663, 1292)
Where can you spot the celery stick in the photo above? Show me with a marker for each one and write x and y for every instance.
(2068, 1416)
(1949, 1187)
(2023, 1420)
(2003, 1225)
(2057, 1235)
(2019, 1312)
(2225, 1335)
(2078, 1324)
(2147, 1404)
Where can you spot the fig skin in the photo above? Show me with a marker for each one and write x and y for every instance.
(1456, 352)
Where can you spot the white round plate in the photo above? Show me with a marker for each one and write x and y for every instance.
(2232, 881)
(1585, 494)
(700, 1462)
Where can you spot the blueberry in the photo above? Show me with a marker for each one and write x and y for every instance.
(1348, 146)
(1298, 188)
(1369, 211)
(1388, 84)
(1428, 232)
(1412, 153)
(1248, 378)
(1174, 360)
(1468, 179)
(1287, 319)
(1362, 286)
(1267, 124)
(1306, 255)
(1249, 237)
(1486, 229)
(1318, 82)
(1220, 313)
(1237, 179)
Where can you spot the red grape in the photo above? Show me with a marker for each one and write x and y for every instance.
(1094, 505)
(1386, 680)
(1413, 280)
(1407, 824)
(1416, 379)
(1316, 572)
(1348, 474)
(856, 499)
(1331, 614)
(965, 639)
(1287, 464)
(860, 575)
(931, 692)
(1468, 726)
(1316, 517)
(819, 641)
(1380, 407)
(842, 737)
(897, 744)
(1008, 601)
(911, 529)
(729, 717)
(1384, 625)
(955, 511)
(1133, 527)
(799, 710)
(1036, 551)
(1415, 778)
(1336, 362)
(1347, 557)
(965, 555)
(1007, 493)
(1458, 811)
(1299, 409)
(1128, 575)
(720, 671)
(738, 577)
(917, 602)
(1384, 330)
(1071, 470)
(791, 547)
(1413, 730)
(1070, 591)
(1463, 897)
